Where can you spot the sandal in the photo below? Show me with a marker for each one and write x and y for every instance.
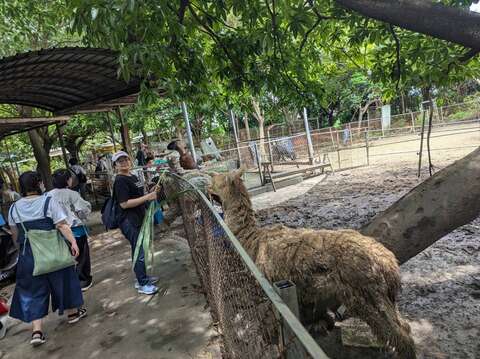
(38, 338)
(75, 317)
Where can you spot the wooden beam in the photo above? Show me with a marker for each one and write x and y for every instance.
(31, 120)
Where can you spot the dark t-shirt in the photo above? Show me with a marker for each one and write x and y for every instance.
(129, 187)
(141, 158)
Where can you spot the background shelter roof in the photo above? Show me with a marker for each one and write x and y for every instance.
(66, 80)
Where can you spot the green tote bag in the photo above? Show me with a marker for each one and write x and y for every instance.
(49, 249)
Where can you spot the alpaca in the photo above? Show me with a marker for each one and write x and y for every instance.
(329, 268)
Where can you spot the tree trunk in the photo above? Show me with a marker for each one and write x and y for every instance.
(145, 137)
(247, 127)
(125, 133)
(197, 129)
(425, 17)
(364, 109)
(447, 200)
(72, 148)
(331, 120)
(41, 144)
(42, 157)
(258, 114)
(290, 117)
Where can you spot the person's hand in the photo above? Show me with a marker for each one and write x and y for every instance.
(152, 196)
(74, 249)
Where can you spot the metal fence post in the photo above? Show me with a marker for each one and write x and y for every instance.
(350, 134)
(331, 136)
(235, 133)
(189, 131)
(413, 121)
(288, 292)
(309, 138)
(259, 162)
(367, 148)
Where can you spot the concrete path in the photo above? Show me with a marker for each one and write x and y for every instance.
(175, 323)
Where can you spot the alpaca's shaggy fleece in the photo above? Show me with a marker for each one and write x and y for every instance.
(329, 268)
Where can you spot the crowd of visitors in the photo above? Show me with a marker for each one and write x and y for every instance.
(51, 235)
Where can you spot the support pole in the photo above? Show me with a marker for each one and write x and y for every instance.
(413, 121)
(309, 138)
(350, 134)
(235, 134)
(421, 144)
(189, 131)
(367, 146)
(11, 162)
(292, 346)
(10, 157)
(112, 133)
(259, 163)
(331, 136)
(62, 144)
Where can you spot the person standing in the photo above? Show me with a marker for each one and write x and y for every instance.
(32, 294)
(81, 184)
(77, 209)
(141, 155)
(129, 194)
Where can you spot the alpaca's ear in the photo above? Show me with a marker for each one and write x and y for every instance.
(239, 173)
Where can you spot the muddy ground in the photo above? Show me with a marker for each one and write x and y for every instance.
(441, 286)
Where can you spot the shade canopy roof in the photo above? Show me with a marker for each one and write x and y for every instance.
(66, 80)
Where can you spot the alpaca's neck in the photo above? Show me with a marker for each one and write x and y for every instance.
(239, 215)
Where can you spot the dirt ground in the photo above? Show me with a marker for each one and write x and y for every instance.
(175, 323)
(441, 286)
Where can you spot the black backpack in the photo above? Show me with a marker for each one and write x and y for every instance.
(81, 177)
(110, 213)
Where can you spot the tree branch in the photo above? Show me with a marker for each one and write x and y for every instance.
(463, 59)
(397, 47)
(181, 10)
(305, 37)
(423, 16)
(209, 31)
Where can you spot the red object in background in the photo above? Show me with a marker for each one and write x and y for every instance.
(3, 308)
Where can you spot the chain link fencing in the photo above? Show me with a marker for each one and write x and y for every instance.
(253, 320)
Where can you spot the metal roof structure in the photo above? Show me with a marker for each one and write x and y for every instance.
(66, 80)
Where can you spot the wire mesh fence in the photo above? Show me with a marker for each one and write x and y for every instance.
(253, 320)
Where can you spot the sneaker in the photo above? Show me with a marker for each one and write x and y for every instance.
(148, 289)
(86, 285)
(75, 317)
(151, 280)
(38, 338)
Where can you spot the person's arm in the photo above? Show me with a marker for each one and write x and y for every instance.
(57, 213)
(14, 231)
(81, 207)
(65, 230)
(135, 202)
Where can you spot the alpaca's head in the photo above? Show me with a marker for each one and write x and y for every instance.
(228, 185)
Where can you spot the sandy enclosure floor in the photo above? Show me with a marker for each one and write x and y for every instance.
(441, 286)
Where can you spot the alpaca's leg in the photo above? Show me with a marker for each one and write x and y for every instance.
(387, 325)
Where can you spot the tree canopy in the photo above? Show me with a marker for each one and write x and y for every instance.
(333, 57)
